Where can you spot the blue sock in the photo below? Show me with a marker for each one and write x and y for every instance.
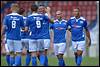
(12, 59)
(38, 57)
(42, 59)
(46, 61)
(34, 61)
(28, 59)
(8, 59)
(18, 60)
(76, 59)
(79, 60)
(61, 62)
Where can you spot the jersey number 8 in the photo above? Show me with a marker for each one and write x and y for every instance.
(38, 24)
(13, 24)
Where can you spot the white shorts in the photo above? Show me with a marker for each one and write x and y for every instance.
(25, 43)
(78, 45)
(6, 47)
(46, 43)
(36, 45)
(59, 48)
(14, 45)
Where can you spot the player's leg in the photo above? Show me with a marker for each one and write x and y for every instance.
(40, 48)
(61, 51)
(80, 49)
(38, 55)
(46, 47)
(7, 55)
(18, 50)
(55, 48)
(28, 54)
(33, 49)
(11, 51)
(74, 47)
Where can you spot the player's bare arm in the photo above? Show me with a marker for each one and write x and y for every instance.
(48, 9)
(88, 35)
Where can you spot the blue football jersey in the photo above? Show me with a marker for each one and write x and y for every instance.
(24, 35)
(45, 34)
(14, 22)
(36, 23)
(77, 26)
(59, 29)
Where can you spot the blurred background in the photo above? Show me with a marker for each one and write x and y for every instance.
(89, 10)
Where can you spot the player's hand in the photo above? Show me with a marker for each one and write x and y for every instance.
(48, 9)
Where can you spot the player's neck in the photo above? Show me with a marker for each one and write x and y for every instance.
(14, 11)
(59, 19)
(77, 16)
(34, 12)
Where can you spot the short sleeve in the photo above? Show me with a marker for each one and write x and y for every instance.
(85, 25)
(51, 26)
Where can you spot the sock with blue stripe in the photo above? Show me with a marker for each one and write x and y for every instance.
(28, 59)
(79, 60)
(8, 59)
(18, 60)
(34, 61)
(42, 59)
(46, 61)
(61, 62)
(12, 59)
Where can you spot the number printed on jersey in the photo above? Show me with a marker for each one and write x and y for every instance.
(13, 24)
(38, 24)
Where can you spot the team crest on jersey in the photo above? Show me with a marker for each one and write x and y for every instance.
(81, 21)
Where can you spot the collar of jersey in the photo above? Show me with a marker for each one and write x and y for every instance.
(35, 14)
(14, 13)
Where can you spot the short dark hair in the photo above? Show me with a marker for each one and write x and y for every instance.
(42, 5)
(21, 11)
(77, 8)
(34, 7)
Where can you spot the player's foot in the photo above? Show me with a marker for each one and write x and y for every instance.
(14, 64)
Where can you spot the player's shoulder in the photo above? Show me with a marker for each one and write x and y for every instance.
(24, 17)
(46, 14)
(14, 14)
(72, 17)
(64, 20)
(55, 20)
(34, 14)
(82, 18)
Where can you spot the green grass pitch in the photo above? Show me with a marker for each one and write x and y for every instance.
(87, 61)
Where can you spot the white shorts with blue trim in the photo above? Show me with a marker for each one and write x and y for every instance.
(25, 43)
(78, 45)
(46, 43)
(36, 45)
(14, 45)
(59, 48)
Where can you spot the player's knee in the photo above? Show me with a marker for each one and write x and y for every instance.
(33, 54)
(79, 52)
(38, 53)
(60, 56)
(12, 53)
(45, 52)
(18, 53)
